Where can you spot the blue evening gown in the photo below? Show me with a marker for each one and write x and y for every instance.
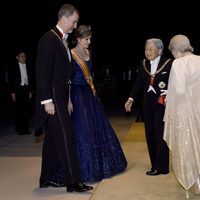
(98, 147)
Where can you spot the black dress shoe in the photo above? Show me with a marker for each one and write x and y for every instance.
(150, 171)
(155, 173)
(51, 184)
(79, 187)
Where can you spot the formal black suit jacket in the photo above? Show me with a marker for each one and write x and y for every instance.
(143, 80)
(154, 111)
(14, 77)
(53, 72)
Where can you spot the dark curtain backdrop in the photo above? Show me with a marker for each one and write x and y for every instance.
(120, 29)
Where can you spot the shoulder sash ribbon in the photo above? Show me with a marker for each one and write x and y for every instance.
(84, 69)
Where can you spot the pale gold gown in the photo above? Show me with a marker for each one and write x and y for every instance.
(182, 120)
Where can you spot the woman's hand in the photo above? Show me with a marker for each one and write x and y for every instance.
(70, 107)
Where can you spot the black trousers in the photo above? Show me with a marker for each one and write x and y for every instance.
(154, 128)
(21, 110)
(59, 148)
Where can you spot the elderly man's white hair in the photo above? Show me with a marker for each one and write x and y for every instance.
(180, 43)
(158, 42)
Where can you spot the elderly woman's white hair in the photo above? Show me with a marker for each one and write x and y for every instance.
(180, 43)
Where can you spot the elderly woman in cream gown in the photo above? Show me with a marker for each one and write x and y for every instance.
(182, 114)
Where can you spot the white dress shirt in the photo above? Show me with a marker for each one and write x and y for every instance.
(64, 40)
(23, 73)
(154, 64)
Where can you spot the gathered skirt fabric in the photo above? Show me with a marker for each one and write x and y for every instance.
(99, 150)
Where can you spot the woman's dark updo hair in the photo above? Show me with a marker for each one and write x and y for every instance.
(81, 32)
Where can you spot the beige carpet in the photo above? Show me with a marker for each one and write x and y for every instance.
(133, 184)
(135, 133)
(20, 162)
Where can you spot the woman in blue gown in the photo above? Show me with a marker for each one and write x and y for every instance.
(99, 149)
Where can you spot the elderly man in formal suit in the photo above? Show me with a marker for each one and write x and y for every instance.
(152, 80)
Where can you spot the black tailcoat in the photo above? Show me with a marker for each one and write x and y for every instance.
(154, 111)
(53, 72)
(21, 107)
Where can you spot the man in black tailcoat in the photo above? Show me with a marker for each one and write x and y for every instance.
(152, 80)
(60, 165)
(20, 84)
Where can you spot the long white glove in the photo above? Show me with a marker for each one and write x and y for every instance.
(164, 92)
